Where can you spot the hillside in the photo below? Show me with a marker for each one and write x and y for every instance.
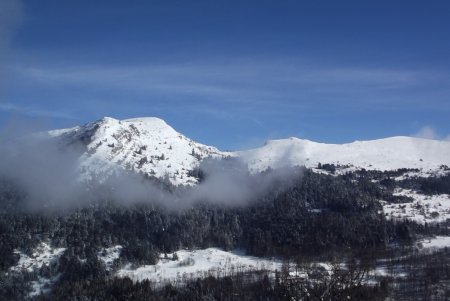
(383, 154)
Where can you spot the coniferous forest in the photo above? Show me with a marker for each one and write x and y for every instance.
(314, 218)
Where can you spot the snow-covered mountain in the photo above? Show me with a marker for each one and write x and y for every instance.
(383, 154)
(148, 145)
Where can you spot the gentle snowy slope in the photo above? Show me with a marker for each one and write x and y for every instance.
(147, 145)
(199, 264)
(383, 154)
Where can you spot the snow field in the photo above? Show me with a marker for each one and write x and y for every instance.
(198, 263)
(424, 209)
(43, 255)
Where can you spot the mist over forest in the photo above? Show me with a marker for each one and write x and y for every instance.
(46, 171)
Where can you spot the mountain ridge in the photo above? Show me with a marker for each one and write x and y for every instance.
(151, 146)
(380, 154)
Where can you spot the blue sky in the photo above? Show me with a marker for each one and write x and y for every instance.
(232, 73)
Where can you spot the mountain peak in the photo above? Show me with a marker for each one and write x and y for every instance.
(106, 118)
(147, 120)
(146, 145)
(103, 120)
(145, 123)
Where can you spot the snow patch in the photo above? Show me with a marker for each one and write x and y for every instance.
(198, 263)
(109, 255)
(43, 255)
(41, 286)
(424, 208)
(433, 244)
(441, 172)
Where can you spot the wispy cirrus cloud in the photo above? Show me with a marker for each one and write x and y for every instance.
(215, 76)
(263, 83)
(11, 16)
(35, 111)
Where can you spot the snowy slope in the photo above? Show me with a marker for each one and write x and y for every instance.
(424, 208)
(199, 264)
(383, 154)
(148, 145)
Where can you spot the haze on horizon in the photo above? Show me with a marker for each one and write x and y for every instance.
(228, 73)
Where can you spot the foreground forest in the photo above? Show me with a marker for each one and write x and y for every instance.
(312, 217)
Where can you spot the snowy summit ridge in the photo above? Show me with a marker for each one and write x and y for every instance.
(149, 145)
(381, 154)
